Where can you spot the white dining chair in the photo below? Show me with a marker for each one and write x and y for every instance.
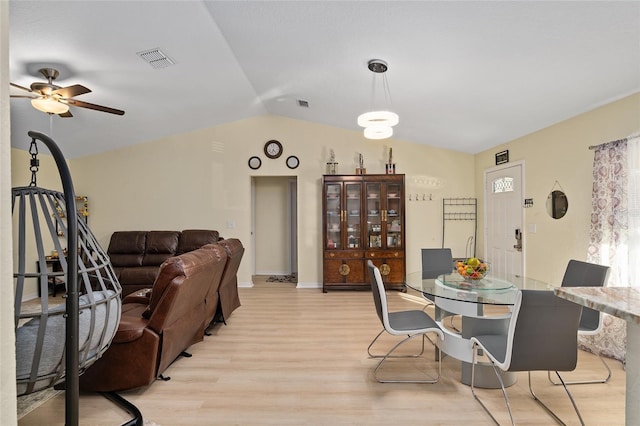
(410, 323)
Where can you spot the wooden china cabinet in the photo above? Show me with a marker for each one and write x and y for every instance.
(363, 219)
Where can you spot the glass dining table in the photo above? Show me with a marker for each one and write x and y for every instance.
(484, 307)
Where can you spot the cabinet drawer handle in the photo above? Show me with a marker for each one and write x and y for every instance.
(385, 269)
(344, 269)
(396, 254)
(372, 254)
(332, 255)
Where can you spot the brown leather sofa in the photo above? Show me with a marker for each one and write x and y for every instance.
(228, 290)
(136, 256)
(157, 326)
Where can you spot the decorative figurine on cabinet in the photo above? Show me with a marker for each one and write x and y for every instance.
(332, 166)
(360, 170)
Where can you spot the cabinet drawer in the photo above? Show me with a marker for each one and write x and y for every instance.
(392, 270)
(343, 254)
(384, 254)
(344, 271)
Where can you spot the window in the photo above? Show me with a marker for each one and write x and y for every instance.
(503, 184)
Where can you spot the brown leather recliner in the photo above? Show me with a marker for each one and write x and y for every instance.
(155, 330)
(229, 299)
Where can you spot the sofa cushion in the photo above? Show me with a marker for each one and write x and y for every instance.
(142, 275)
(193, 239)
(126, 248)
(160, 246)
(100, 326)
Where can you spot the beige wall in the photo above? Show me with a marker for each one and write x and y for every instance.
(201, 179)
(561, 153)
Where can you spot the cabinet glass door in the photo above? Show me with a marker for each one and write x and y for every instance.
(374, 215)
(393, 216)
(353, 214)
(334, 228)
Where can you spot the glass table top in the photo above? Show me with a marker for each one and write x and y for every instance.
(490, 290)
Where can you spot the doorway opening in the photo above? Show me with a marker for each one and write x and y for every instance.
(275, 229)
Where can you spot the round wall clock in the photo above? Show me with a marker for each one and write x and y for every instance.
(273, 149)
(255, 162)
(293, 162)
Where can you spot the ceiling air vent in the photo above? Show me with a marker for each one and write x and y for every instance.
(302, 103)
(156, 58)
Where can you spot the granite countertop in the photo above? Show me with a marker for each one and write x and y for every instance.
(621, 302)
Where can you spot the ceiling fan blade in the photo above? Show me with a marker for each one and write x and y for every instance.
(17, 86)
(71, 91)
(82, 104)
(23, 96)
(65, 114)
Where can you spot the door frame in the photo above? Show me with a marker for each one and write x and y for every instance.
(521, 164)
(293, 224)
(291, 209)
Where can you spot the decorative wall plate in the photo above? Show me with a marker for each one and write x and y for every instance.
(255, 162)
(293, 162)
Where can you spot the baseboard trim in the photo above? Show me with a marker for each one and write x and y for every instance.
(309, 285)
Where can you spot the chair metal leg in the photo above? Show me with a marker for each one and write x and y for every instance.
(137, 419)
(585, 382)
(396, 356)
(575, 407)
(473, 392)
(388, 355)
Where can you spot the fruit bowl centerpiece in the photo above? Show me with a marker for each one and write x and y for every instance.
(472, 269)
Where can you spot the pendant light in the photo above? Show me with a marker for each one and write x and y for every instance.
(378, 124)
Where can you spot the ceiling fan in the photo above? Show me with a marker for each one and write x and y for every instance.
(50, 98)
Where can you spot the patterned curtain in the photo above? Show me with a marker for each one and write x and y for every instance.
(633, 161)
(614, 238)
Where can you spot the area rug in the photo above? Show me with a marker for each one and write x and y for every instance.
(293, 278)
(28, 403)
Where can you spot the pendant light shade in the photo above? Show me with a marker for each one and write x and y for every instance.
(378, 118)
(378, 132)
(379, 122)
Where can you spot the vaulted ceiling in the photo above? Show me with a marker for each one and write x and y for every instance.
(462, 75)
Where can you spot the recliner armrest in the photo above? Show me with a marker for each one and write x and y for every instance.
(129, 329)
(140, 296)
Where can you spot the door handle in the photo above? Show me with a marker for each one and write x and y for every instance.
(518, 245)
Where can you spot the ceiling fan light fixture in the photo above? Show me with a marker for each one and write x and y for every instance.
(378, 132)
(49, 105)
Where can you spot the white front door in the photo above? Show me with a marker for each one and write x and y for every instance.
(503, 219)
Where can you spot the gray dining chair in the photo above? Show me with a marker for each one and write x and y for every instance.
(410, 323)
(541, 337)
(584, 274)
(435, 262)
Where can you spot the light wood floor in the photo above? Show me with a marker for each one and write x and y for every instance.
(298, 357)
